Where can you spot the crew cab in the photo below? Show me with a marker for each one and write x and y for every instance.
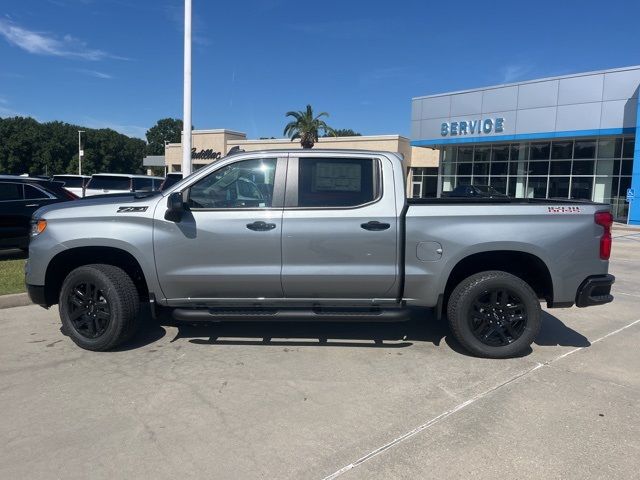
(317, 235)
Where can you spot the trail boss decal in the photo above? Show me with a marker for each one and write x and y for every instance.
(131, 209)
(564, 209)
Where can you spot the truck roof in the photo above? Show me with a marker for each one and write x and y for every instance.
(336, 151)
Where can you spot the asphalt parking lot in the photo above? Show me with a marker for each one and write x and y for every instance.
(327, 401)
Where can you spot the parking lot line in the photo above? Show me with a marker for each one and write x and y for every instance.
(466, 403)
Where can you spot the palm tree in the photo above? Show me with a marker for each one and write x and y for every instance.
(306, 127)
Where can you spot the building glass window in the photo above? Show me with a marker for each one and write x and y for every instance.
(539, 151)
(562, 150)
(500, 153)
(561, 167)
(585, 168)
(585, 149)
(581, 188)
(559, 187)
(424, 182)
(464, 169)
(499, 168)
(538, 168)
(582, 167)
(609, 147)
(465, 154)
(480, 169)
(481, 154)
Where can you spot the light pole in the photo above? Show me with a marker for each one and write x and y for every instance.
(80, 152)
(186, 117)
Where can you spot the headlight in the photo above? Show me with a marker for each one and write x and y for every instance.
(37, 227)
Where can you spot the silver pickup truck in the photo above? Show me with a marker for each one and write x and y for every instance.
(316, 235)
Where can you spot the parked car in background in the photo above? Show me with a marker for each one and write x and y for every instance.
(477, 191)
(170, 180)
(112, 183)
(19, 198)
(74, 183)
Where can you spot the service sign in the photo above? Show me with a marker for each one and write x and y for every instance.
(472, 127)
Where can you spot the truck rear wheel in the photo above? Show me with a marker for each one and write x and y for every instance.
(99, 306)
(494, 314)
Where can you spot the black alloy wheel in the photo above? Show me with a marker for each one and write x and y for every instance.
(494, 314)
(89, 310)
(99, 306)
(497, 317)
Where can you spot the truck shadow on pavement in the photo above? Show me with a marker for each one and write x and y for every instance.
(357, 335)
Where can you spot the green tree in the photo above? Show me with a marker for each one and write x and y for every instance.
(306, 127)
(27, 146)
(344, 132)
(165, 130)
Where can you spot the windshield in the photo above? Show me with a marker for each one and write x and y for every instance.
(109, 182)
(486, 189)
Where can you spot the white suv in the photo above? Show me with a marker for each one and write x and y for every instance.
(73, 183)
(111, 183)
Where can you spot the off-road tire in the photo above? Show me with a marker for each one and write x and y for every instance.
(116, 290)
(463, 317)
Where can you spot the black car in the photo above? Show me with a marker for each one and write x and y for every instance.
(474, 191)
(19, 198)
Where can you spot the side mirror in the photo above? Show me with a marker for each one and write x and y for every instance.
(175, 207)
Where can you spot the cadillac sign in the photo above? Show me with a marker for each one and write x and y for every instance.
(472, 127)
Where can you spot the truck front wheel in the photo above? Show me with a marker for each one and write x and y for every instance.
(99, 306)
(494, 314)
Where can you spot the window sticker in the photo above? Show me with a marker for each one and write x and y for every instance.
(343, 177)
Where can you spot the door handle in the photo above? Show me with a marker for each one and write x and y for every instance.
(33, 205)
(375, 226)
(261, 226)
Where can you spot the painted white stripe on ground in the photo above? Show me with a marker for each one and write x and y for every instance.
(629, 294)
(465, 404)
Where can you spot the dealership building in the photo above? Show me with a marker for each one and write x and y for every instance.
(563, 137)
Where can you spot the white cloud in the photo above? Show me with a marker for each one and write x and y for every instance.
(95, 73)
(41, 43)
(511, 73)
(128, 130)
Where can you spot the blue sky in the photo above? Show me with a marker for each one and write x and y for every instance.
(118, 63)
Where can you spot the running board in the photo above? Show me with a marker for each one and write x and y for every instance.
(291, 314)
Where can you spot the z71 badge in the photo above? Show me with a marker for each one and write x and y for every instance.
(131, 209)
(564, 209)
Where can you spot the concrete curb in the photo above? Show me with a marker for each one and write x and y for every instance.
(14, 300)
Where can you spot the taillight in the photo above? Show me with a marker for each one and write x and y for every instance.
(605, 220)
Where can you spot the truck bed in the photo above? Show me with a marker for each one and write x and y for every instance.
(499, 201)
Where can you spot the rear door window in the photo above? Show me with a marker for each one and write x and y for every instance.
(10, 191)
(34, 193)
(337, 182)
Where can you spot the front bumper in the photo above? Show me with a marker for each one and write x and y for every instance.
(37, 295)
(595, 290)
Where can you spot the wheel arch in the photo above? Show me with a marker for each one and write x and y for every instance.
(526, 266)
(67, 260)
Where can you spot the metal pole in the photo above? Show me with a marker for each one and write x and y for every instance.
(80, 152)
(186, 117)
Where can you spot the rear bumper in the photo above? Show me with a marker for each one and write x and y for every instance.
(37, 295)
(595, 290)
